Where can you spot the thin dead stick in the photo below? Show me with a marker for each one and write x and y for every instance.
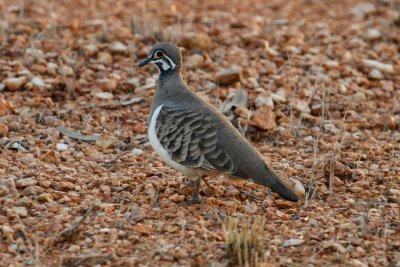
(72, 231)
(251, 195)
(313, 168)
(222, 216)
(113, 161)
(362, 105)
(336, 151)
(123, 102)
(31, 240)
(155, 197)
(205, 181)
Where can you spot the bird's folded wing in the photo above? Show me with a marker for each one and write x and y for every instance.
(190, 137)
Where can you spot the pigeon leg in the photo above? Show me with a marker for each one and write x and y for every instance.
(195, 193)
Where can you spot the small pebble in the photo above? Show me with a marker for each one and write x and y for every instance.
(25, 182)
(359, 97)
(375, 74)
(104, 58)
(231, 191)
(176, 198)
(37, 82)
(21, 211)
(194, 61)
(104, 95)
(394, 191)
(3, 129)
(292, 242)
(136, 151)
(373, 34)
(262, 101)
(14, 84)
(118, 48)
(229, 76)
(195, 40)
(149, 189)
(61, 147)
(90, 49)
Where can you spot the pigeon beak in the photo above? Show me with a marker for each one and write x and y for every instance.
(144, 62)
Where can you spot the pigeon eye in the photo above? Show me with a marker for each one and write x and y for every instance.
(159, 54)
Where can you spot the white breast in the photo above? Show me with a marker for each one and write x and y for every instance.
(161, 152)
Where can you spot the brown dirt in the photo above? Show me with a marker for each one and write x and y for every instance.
(112, 202)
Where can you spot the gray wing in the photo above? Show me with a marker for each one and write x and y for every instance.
(190, 138)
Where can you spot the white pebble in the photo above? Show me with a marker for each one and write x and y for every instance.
(149, 189)
(118, 47)
(253, 81)
(277, 98)
(61, 147)
(379, 65)
(372, 34)
(362, 8)
(37, 82)
(104, 95)
(292, 242)
(359, 97)
(375, 74)
(137, 151)
(394, 191)
(7, 230)
(262, 101)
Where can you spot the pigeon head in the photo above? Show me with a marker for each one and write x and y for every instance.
(166, 56)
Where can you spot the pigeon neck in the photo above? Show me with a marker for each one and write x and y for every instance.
(166, 76)
(169, 86)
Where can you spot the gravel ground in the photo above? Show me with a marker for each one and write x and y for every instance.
(316, 88)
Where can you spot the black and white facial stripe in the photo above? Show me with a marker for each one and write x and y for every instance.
(162, 61)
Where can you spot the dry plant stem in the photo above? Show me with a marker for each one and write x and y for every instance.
(155, 197)
(251, 195)
(296, 47)
(121, 155)
(21, 10)
(205, 181)
(245, 245)
(122, 102)
(298, 126)
(37, 253)
(221, 215)
(312, 187)
(244, 131)
(335, 152)
(72, 232)
(324, 96)
(68, 83)
(30, 239)
(290, 120)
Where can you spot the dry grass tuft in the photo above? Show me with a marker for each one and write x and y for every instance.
(245, 245)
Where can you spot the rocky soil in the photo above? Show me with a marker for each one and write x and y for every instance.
(313, 84)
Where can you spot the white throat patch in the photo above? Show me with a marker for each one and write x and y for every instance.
(171, 62)
(165, 64)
